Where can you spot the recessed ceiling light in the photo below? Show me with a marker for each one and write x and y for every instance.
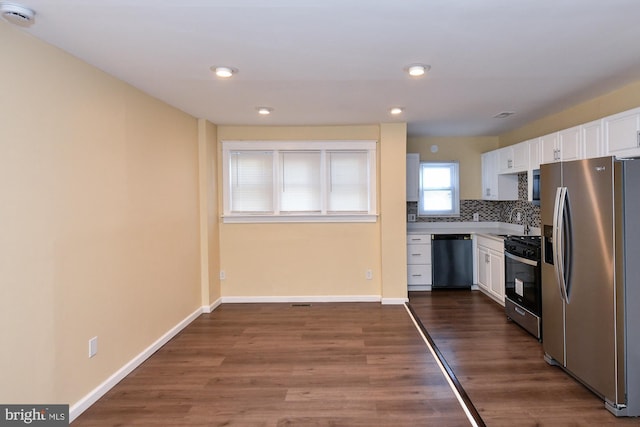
(396, 110)
(417, 70)
(264, 111)
(17, 14)
(224, 72)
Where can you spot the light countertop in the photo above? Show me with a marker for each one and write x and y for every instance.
(488, 228)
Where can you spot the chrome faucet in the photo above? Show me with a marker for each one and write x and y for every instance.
(523, 219)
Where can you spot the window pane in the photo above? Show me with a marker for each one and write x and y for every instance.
(348, 182)
(439, 189)
(300, 190)
(436, 177)
(251, 181)
(438, 200)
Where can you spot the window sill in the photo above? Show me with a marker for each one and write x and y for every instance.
(250, 219)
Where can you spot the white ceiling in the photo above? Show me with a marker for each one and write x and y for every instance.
(320, 62)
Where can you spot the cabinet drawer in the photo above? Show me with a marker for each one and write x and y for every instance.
(418, 254)
(418, 238)
(419, 274)
(496, 245)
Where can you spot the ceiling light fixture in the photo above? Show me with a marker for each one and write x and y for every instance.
(17, 14)
(504, 115)
(264, 111)
(417, 70)
(224, 72)
(396, 110)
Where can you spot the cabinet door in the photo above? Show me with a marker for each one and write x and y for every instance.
(534, 153)
(483, 267)
(413, 176)
(489, 176)
(521, 157)
(570, 144)
(592, 139)
(621, 133)
(549, 148)
(496, 261)
(505, 158)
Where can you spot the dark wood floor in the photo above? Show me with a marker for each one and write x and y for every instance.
(350, 364)
(343, 364)
(501, 367)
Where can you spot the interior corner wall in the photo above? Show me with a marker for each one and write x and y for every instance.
(619, 100)
(209, 226)
(304, 260)
(99, 227)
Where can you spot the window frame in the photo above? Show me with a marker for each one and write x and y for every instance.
(279, 147)
(454, 169)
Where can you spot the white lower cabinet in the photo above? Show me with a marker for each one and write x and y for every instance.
(490, 262)
(419, 262)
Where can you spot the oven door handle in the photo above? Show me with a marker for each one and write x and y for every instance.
(520, 259)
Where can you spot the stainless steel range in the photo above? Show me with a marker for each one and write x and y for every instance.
(523, 290)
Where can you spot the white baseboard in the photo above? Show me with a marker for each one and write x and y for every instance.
(394, 301)
(83, 404)
(323, 298)
(209, 308)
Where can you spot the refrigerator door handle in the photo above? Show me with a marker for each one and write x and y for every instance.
(558, 240)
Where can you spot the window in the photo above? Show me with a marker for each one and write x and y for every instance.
(439, 189)
(318, 181)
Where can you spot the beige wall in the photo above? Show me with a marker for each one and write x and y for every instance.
(98, 225)
(393, 203)
(617, 101)
(317, 259)
(466, 150)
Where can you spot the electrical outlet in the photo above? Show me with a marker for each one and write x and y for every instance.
(476, 217)
(93, 346)
(411, 217)
(222, 275)
(369, 274)
(518, 216)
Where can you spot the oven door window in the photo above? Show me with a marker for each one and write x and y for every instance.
(523, 283)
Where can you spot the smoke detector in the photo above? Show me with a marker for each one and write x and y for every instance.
(17, 14)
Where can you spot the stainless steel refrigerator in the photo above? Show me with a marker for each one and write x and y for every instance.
(590, 213)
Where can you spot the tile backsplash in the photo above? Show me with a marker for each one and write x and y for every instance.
(492, 211)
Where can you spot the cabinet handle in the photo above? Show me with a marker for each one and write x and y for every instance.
(520, 311)
(416, 254)
(416, 239)
(509, 164)
(638, 138)
(416, 275)
(486, 257)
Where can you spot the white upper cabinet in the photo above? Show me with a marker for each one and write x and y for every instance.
(514, 158)
(413, 176)
(570, 144)
(592, 143)
(549, 152)
(521, 157)
(561, 146)
(622, 133)
(494, 185)
(534, 153)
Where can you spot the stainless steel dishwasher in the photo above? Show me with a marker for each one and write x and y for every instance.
(452, 261)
